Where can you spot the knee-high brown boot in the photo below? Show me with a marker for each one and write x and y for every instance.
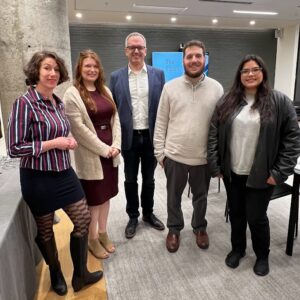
(79, 252)
(49, 252)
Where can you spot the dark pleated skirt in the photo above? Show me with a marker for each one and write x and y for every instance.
(47, 191)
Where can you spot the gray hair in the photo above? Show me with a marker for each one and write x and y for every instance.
(134, 34)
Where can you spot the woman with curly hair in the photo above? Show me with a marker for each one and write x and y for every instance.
(38, 133)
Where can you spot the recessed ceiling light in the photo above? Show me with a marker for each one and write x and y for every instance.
(79, 15)
(252, 22)
(128, 18)
(270, 13)
(160, 9)
(214, 21)
(173, 19)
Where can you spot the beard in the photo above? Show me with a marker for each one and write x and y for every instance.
(193, 75)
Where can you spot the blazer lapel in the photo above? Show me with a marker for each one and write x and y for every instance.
(125, 83)
(150, 84)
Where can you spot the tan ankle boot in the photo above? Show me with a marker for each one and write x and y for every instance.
(97, 250)
(106, 242)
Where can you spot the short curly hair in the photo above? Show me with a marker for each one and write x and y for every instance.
(32, 69)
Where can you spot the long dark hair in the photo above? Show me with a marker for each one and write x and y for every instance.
(99, 83)
(236, 93)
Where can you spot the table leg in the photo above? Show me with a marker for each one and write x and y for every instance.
(293, 220)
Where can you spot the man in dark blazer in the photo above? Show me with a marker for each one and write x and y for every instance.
(136, 90)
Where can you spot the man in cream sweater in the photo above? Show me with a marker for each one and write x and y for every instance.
(180, 141)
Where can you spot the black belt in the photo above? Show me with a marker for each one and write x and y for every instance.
(141, 131)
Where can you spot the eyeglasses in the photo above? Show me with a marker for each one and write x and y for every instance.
(132, 48)
(252, 70)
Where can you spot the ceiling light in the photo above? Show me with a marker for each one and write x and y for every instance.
(251, 12)
(128, 18)
(79, 15)
(214, 21)
(160, 9)
(228, 1)
(252, 22)
(173, 19)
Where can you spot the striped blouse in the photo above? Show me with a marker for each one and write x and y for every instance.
(35, 119)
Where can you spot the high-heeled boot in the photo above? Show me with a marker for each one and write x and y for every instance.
(49, 252)
(79, 252)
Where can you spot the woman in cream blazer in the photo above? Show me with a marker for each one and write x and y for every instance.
(95, 126)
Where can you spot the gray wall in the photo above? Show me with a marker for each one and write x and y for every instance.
(225, 47)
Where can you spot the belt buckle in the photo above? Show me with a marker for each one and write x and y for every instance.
(103, 127)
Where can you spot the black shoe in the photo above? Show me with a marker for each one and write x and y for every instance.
(233, 259)
(153, 221)
(261, 267)
(130, 229)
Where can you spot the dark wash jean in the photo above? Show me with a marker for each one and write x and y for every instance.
(248, 205)
(141, 152)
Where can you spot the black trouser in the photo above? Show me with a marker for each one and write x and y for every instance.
(248, 205)
(141, 151)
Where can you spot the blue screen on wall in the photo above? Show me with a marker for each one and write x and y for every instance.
(171, 63)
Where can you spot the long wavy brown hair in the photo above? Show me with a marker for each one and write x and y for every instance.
(99, 83)
(236, 94)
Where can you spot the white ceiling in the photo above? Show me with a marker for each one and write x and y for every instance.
(196, 13)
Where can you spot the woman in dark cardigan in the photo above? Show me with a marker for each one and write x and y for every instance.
(254, 142)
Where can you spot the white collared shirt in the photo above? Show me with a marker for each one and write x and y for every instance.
(139, 90)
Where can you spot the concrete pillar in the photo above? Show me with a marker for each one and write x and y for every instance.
(28, 26)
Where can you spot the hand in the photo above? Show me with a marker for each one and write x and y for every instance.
(73, 144)
(65, 143)
(271, 181)
(109, 154)
(114, 152)
(161, 163)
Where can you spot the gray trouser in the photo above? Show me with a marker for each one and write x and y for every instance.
(178, 175)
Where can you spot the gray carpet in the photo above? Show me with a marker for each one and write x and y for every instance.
(143, 269)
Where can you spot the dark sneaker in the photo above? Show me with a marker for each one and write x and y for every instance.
(261, 267)
(233, 259)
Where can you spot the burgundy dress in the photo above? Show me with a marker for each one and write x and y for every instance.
(99, 191)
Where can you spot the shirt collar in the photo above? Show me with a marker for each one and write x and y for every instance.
(38, 97)
(144, 69)
(187, 79)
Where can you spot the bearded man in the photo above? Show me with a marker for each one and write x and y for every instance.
(185, 109)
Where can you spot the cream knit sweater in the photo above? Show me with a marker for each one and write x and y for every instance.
(90, 147)
(183, 119)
